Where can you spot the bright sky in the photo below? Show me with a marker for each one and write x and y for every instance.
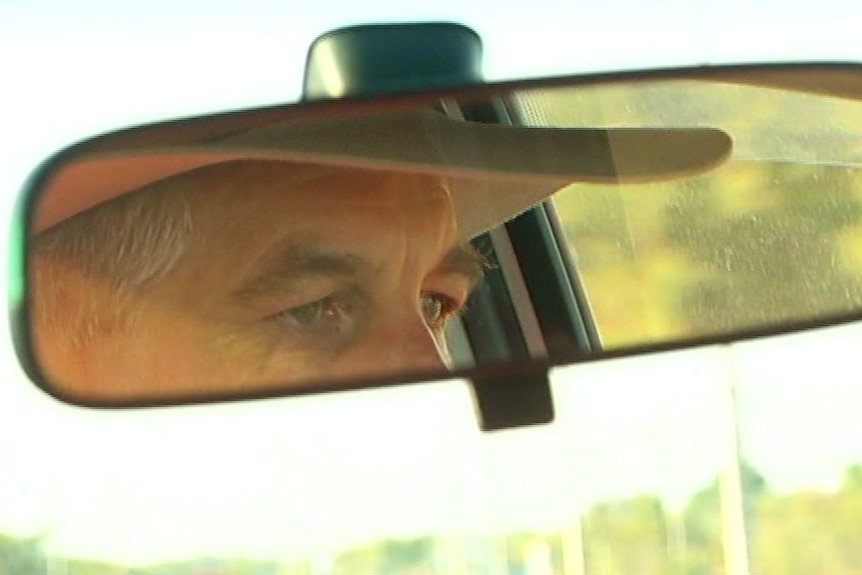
(287, 476)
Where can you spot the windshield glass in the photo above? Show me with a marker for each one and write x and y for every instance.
(645, 470)
(771, 236)
(629, 479)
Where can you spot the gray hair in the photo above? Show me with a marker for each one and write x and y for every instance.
(125, 244)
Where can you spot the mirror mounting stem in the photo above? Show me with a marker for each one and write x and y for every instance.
(514, 397)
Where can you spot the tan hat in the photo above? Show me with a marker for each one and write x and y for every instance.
(494, 171)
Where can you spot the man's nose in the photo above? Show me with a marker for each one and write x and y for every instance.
(401, 345)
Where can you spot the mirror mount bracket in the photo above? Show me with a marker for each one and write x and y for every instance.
(378, 59)
(512, 398)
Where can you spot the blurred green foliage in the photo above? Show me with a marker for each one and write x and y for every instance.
(795, 533)
(773, 236)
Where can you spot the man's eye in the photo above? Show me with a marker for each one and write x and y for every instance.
(437, 309)
(332, 315)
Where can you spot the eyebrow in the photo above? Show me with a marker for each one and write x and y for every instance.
(465, 260)
(292, 266)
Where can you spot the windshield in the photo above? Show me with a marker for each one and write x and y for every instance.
(648, 468)
(644, 470)
(691, 462)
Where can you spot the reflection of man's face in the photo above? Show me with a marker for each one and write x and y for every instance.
(289, 276)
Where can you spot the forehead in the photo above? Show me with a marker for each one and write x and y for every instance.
(247, 217)
(245, 205)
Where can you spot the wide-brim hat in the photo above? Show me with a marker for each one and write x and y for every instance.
(493, 171)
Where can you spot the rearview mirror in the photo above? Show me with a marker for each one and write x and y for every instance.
(331, 245)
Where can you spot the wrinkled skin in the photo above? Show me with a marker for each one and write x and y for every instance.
(286, 281)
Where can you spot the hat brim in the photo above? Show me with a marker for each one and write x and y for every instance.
(494, 171)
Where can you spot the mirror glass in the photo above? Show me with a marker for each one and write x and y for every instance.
(316, 247)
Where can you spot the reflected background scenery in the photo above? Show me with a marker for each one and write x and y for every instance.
(772, 236)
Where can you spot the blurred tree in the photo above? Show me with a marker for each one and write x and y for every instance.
(22, 556)
(627, 536)
(363, 560)
(774, 263)
(89, 567)
(703, 526)
(811, 531)
(405, 555)
(848, 520)
(853, 480)
(791, 534)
